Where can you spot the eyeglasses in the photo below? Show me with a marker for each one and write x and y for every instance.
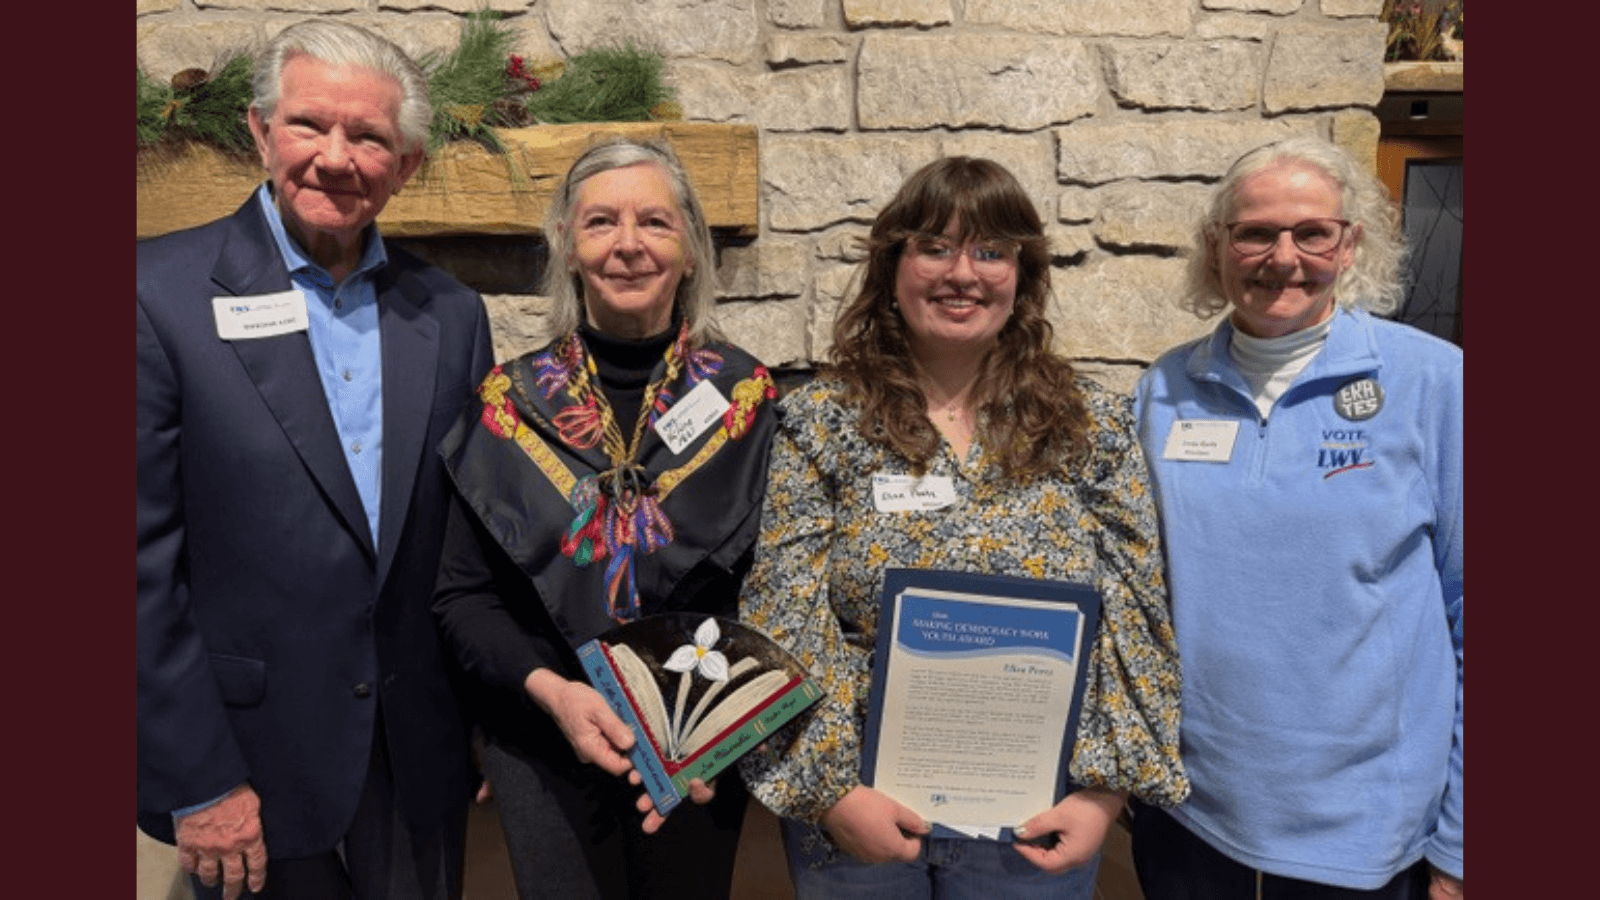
(1317, 237)
(934, 256)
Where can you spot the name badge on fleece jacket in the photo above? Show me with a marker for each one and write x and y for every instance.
(1201, 440)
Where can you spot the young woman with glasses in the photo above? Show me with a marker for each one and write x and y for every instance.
(942, 370)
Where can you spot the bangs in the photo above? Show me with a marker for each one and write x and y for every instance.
(985, 200)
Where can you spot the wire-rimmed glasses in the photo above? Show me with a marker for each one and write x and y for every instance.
(1318, 237)
(932, 256)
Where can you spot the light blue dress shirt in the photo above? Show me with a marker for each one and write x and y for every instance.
(345, 344)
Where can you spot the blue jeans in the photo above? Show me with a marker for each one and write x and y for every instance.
(946, 869)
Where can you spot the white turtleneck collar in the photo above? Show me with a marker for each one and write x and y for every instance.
(1269, 365)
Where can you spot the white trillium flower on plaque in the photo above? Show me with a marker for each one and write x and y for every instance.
(730, 686)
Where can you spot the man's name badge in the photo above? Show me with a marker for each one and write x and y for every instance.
(260, 316)
(903, 493)
(1201, 440)
(690, 417)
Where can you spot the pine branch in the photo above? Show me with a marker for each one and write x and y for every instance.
(216, 107)
(151, 107)
(466, 84)
(603, 84)
(199, 106)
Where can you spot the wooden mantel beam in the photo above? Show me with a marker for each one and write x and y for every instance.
(465, 189)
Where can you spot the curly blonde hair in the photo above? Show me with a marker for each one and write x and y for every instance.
(1036, 417)
(1373, 279)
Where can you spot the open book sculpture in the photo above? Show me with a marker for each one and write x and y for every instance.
(698, 691)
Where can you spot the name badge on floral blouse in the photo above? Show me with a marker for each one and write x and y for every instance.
(904, 493)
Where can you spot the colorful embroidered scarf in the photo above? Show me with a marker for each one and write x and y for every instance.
(605, 526)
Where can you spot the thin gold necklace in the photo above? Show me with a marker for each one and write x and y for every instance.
(950, 412)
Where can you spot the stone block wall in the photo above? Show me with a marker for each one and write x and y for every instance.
(1116, 114)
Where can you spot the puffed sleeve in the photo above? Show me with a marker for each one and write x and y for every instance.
(1128, 730)
(805, 769)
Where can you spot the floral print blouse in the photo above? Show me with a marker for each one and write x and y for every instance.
(819, 569)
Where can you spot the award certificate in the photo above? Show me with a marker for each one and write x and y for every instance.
(976, 685)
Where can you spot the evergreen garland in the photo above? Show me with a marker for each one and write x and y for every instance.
(199, 106)
(476, 87)
(605, 84)
(466, 85)
(152, 101)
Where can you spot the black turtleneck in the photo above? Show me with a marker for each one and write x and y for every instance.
(625, 366)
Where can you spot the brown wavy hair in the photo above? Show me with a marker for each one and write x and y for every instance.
(1036, 417)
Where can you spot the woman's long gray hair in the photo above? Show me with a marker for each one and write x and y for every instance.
(563, 284)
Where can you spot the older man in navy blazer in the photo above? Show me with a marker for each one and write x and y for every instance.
(298, 730)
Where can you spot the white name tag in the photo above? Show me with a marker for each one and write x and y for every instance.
(1201, 440)
(264, 315)
(691, 416)
(903, 493)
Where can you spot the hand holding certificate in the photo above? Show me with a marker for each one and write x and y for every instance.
(976, 688)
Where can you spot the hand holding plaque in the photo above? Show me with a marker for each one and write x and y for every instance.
(976, 688)
(698, 691)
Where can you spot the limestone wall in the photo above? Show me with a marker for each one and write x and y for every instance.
(1117, 114)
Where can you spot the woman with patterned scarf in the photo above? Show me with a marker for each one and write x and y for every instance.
(615, 473)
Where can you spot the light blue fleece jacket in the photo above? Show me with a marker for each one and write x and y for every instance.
(1317, 597)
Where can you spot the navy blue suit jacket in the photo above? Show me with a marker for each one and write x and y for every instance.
(269, 626)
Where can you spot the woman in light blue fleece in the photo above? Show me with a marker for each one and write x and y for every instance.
(1307, 460)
